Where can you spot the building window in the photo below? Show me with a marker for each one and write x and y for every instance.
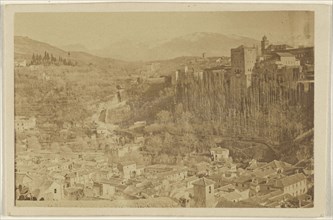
(55, 190)
(210, 189)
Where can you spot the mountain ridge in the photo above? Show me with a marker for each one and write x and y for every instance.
(25, 47)
(195, 44)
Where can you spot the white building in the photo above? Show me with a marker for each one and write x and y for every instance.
(219, 154)
(23, 123)
(51, 190)
(20, 63)
(128, 169)
(286, 59)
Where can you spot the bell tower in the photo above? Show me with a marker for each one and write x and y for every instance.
(264, 45)
(204, 193)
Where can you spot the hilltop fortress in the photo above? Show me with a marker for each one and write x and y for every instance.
(257, 83)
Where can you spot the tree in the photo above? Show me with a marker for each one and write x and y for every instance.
(33, 59)
(39, 59)
(185, 122)
(178, 111)
(154, 144)
(303, 153)
(163, 117)
(188, 143)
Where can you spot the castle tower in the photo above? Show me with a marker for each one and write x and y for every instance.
(204, 193)
(264, 45)
(243, 60)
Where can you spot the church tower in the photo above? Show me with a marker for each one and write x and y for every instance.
(264, 45)
(204, 193)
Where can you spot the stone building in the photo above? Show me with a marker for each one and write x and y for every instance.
(285, 59)
(295, 185)
(128, 169)
(104, 189)
(243, 60)
(219, 154)
(51, 190)
(24, 123)
(304, 54)
(204, 193)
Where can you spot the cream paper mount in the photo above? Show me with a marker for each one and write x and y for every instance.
(166, 109)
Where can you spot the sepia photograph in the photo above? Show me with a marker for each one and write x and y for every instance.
(190, 109)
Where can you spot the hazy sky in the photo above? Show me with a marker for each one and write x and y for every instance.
(95, 30)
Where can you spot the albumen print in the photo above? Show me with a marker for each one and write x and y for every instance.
(189, 110)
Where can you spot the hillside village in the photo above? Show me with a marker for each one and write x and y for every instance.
(160, 137)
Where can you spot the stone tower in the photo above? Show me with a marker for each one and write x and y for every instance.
(204, 193)
(243, 60)
(264, 45)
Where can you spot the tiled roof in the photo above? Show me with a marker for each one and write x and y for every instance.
(113, 181)
(125, 163)
(243, 179)
(45, 185)
(19, 177)
(274, 164)
(279, 46)
(219, 150)
(232, 196)
(191, 178)
(285, 54)
(264, 173)
(203, 182)
(289, 180)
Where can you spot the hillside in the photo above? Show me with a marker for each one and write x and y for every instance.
(25, 47)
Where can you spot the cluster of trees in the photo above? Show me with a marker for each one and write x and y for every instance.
(176, 134)
(187, 122)
(268, 109)
(48, 59)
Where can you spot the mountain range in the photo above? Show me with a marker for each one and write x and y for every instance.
(195, 45)
(212, 44)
